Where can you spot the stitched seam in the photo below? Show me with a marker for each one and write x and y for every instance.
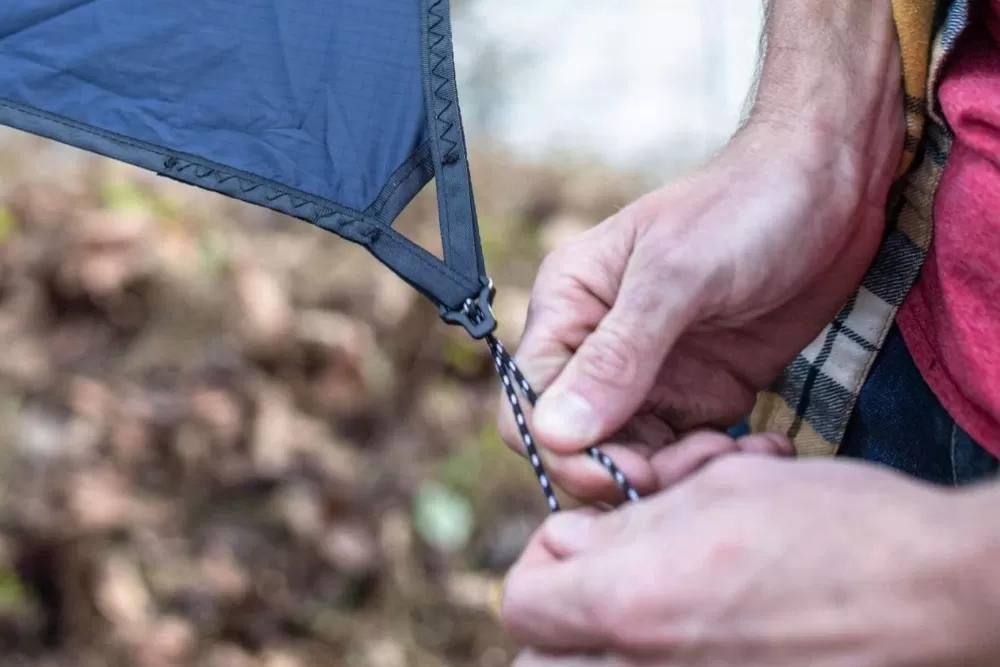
(172, 159)
(412, 164)
(954, 465)
(177, 163)
(438, 51)
(316, 215)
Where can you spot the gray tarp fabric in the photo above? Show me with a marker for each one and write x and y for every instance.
(334, 111)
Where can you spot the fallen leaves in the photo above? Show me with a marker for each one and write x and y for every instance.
(228, 439)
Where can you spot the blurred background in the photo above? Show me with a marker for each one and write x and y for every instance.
(228, 439)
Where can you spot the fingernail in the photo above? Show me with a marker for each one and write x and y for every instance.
(569, 532)
(566, 416)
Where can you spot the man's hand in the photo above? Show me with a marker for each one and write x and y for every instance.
(757, 561)
(673, 314)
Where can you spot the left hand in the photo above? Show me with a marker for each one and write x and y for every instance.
(759, 561)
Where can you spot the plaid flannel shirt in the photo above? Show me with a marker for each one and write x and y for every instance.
(814, 397)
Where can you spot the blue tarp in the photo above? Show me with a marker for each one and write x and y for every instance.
(334, 111)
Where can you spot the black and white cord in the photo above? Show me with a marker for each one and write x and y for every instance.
(513, 380)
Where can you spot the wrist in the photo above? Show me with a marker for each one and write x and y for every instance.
(831, 85)
(825, 172)
(975, 572)
(952, 611)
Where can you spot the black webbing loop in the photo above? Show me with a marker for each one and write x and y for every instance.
(463, 254)
(513, 380)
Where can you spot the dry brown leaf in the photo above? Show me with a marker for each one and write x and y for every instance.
(385, 652)
(447, 407)
(228, 655)
(131, 438)
(350, 548)
(122, 596)
(221, 412)
(266, 318)
(99, 500)
(280, 658)
(272, 442)
(302, 511)
(168, 643)
(473, 591)
(334, 332)
(26, 361)
(107, 251)
(91, 399)
(224, 575)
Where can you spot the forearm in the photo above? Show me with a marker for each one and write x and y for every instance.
(830, 67)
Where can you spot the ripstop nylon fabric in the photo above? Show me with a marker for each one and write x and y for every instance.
(334, 112)
(324, 97)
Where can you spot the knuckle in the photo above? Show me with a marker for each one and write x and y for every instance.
(608, 357)
(616, 616)
(583, 487)
(546, 308)
(679, 270)
(643, 297)
(553, 263)
(728, 474)
(513, 604)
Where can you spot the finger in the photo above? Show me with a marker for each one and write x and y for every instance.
(568, 534)
(536, 551)
(689, 455)
(566, 304)
(586, 604)
(610, 375)
(575, 533)
(539, 550)
(766, 443)
(683, 459)
(652, 431)
(540, 357)
(545, 606)
(533, 658)
(585, 479)
(572, 293)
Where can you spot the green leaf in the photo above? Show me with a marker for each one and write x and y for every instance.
(12, 595)
(120, 194)
(212, 254)
(462, 355)
(463, 468)
(442, 518)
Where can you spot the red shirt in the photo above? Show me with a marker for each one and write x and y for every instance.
(951, 320)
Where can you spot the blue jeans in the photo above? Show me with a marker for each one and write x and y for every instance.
(898, 422)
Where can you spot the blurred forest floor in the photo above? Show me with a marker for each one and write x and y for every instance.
(229, 439)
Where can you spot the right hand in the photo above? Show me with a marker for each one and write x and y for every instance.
(672, 315)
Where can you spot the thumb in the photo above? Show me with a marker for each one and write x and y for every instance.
(610, 375)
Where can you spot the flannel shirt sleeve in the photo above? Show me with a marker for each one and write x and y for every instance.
(812, 400)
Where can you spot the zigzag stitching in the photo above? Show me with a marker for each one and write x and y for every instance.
(443, 81)
(201, 171)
